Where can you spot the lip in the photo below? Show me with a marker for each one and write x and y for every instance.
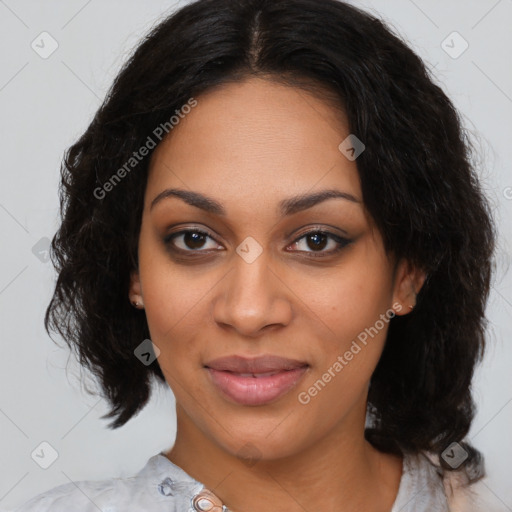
(255, 381)
(261, 364)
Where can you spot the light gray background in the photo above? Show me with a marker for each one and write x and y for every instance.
(47, 103)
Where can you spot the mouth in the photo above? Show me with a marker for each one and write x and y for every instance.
(257, 381)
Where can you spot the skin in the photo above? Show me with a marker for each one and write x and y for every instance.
(248, 146)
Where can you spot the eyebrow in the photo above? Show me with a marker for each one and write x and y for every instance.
(287, 206)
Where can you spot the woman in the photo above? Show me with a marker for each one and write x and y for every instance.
(275, 214)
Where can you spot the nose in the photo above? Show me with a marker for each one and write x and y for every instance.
(252, 297)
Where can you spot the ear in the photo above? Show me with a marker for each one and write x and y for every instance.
(135, 292)
(407, 284)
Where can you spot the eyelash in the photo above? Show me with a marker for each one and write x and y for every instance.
(342, 242)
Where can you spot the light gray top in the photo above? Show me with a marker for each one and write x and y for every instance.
(162, 486)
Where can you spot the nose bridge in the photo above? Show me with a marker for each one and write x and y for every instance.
(250, 278)
(251, 298)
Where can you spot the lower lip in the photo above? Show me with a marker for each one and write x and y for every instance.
(255, 390)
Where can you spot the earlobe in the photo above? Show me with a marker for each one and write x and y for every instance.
(135, 292)
(408, 282)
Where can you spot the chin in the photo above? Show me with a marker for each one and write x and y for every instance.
(264, 443)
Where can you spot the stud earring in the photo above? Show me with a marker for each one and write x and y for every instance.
(137, 304)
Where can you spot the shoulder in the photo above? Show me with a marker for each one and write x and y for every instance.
(160, 485)
(427, 486)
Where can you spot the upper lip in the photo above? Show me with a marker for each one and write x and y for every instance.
(261, 364)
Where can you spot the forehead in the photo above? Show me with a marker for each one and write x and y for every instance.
(252, 140)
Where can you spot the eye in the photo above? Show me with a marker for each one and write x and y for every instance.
(317, 240)
(196, 240)
(190, 240)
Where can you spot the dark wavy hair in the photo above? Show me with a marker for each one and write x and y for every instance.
(417, 177)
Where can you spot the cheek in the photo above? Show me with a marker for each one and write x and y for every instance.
(353, 313)
(347, 299)
(175, 303)
(175, 312)
(172, 303)
(172, 293)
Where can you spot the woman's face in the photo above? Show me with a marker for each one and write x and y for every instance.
(254, 277)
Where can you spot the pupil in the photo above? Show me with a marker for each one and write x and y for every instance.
(316, 238)
(194, 240)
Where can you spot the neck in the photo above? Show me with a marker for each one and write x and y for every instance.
(341, 472)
